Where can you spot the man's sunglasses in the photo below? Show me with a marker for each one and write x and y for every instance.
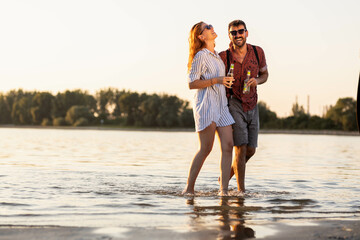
(208, 27)
(241, 31)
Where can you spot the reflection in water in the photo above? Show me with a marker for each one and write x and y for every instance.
(230, 215)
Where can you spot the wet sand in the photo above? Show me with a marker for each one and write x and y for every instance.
(334, 229)
(319, 230)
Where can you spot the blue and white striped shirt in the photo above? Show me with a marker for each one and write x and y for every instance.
(210, 103)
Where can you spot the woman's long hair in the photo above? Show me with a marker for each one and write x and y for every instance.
(195, 44)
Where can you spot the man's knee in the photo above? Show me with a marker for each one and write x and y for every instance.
(250, 151)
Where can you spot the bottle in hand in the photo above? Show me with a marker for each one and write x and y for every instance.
(231, 72)
(246, 89)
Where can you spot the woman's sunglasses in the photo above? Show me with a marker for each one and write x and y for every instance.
(208, 27)
(241, 31)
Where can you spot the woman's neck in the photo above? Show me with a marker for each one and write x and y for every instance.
(210, 45)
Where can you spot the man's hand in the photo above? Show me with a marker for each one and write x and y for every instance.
(252, 82)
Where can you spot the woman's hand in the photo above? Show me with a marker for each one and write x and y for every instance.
(226, 81)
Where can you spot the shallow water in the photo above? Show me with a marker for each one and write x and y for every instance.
(132, 179)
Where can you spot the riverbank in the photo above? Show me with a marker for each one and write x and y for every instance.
(122, 128)
(318, 230)
(310, 132)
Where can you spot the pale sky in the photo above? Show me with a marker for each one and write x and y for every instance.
(312, 47)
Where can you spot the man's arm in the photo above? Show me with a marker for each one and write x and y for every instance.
(262, 78)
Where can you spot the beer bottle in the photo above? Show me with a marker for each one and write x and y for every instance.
(246, 89)
(231, 72)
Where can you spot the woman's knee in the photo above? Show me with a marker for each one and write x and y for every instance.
(227, 146)
(205, 149)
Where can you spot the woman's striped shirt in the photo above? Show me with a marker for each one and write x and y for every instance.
(210, 103)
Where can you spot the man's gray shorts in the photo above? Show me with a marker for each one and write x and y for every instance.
(246, 126)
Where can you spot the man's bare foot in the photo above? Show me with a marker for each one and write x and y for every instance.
(240, 193)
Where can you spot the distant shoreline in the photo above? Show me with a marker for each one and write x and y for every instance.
(262, 131)
(310, 132)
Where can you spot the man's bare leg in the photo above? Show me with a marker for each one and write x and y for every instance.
(250, 151)
(239, 166)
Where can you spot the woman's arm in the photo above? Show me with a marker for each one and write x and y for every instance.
(198, 84)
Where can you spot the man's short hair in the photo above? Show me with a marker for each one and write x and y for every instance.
(236, 23)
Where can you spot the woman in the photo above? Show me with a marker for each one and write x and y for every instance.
(211, 114)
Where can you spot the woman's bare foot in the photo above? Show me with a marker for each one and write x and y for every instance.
(187, 192)
(223, 193)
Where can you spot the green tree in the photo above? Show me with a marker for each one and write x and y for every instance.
(298, 120)
(106, 102)
(42, 105)
(64, 101)
(318, 123)
(21, 110)
(150, 109)
(59, 121)
(297, 110)
(186, 116)
(118, 111)
(10, 98)
(268, 119)
(76, 113)
(5, 111)
(169, 111)
(344, 114)
(129, 104)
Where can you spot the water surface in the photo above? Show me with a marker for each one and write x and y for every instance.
(132, 179)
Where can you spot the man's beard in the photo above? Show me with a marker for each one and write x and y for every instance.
(239, 45)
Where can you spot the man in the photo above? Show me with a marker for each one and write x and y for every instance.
(243, 106)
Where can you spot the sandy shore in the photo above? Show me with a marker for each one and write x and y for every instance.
(320, 230)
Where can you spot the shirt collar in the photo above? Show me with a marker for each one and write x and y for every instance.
(216, 54)
(248, 46)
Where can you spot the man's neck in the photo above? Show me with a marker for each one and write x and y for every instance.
(240, 50)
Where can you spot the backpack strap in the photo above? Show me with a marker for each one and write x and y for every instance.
(257, 57)
(227, 69)
(256, 54)
(227, 60)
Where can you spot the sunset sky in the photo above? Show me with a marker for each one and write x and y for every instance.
(312, 47)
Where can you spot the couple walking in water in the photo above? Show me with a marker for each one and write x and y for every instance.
(220, 105)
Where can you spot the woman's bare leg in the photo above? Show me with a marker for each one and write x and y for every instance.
(206, 138)
(226, 141)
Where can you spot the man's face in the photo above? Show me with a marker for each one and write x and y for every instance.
(238, 35)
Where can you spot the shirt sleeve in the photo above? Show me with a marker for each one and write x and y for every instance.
(197, 67)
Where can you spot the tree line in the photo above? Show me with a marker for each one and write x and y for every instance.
(341, 116)
(108, 106)
(126, 108)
